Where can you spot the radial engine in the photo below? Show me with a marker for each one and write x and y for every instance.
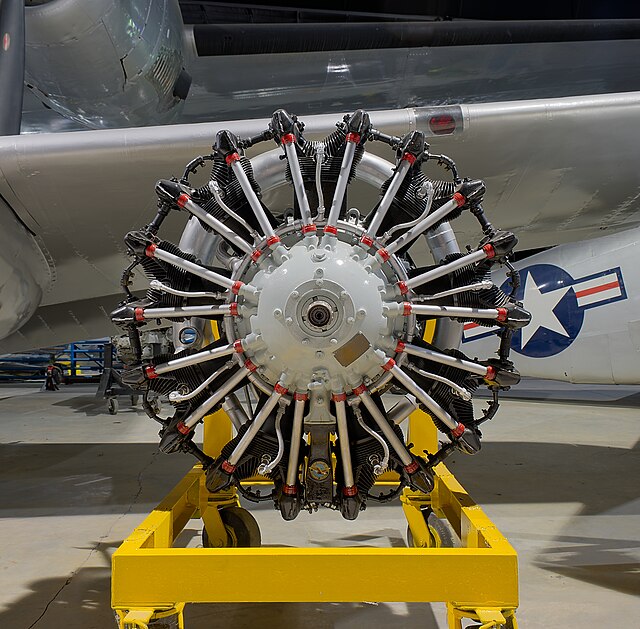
(322, 312)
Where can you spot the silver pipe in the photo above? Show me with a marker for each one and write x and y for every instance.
(225, 389)
(217, 195)
(319, 160)
(382, 466)
(255, 426)
(427, 209)
(388, 432)
(445, 359)
(195, 359)
(421, 227)
(385, 203)
(265, 469)
(410, 385)
(157, 285)
(341, 185)
(445, 269)
(232, 407)
(228, 234)
(460, 391)
(298, 183)
(484, 285)
(253, 200)
(296, 438)
(246, 290)
(260, 385)
(197, 240)
(402, 410)
(186, 311)
(176, 396)
(442, 242)
(343, 442)
(374, 170)
(442, 311)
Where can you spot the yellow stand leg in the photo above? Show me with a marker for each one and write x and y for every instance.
(150, 577)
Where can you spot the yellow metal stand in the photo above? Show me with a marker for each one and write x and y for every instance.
(152, 580)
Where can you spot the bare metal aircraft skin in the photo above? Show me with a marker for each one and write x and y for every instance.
(558, 170)
(583, 298)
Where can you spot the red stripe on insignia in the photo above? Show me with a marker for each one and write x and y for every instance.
(597, 289)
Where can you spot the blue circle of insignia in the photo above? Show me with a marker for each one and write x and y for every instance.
(541, 342)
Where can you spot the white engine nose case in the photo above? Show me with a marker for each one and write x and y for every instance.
(319, 312)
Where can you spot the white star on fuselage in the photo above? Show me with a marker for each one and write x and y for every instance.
(541, 306)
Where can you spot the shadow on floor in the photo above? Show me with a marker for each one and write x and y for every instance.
(85, 478)
(83, 602)
(91, 406)
(608, 563)
(46, 479)
(529, 472)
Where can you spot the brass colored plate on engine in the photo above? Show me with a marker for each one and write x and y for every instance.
(352, 349)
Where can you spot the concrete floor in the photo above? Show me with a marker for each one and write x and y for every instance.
(560, 480)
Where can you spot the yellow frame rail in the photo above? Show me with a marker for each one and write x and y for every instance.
(151, 579)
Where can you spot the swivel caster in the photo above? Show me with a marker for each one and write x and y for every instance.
(241, 527)
(440, 535)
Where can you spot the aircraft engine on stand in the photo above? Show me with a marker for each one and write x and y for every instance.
(322, 312)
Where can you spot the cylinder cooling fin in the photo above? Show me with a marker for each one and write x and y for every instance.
(322, 313)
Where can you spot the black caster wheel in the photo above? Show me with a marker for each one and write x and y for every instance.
(242, 529)
(440, 533)
(164, 623)
(112, 406)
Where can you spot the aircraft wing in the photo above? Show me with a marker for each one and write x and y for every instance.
(557, 170)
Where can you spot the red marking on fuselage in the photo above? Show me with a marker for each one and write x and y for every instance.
(597, 289)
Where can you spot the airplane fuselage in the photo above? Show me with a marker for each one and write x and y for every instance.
(583, 298)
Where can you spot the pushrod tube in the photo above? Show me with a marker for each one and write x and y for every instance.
(383, 208)
(445, 359)
(226, 388)
(253, 200)
(388, 432)
(296, 437)
(228, 234)
(255, 426)
(343, 442)
(341, 186)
